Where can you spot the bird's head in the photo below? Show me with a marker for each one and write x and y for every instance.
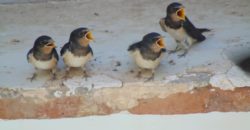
(81, 36)
(176, 11)
(44, 44)
(155, 41)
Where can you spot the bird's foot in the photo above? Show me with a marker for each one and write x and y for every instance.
(85, 75)
(54, 77)
(33, 77)
(182, 55)
(151, 78)
(172, 51)
(138, 75)
(66, 76)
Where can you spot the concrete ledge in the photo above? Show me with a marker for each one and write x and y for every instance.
(213, 76)
(200, 100)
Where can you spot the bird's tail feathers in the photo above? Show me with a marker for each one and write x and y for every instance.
(202, 30)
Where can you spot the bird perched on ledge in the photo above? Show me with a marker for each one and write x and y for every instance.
(148, 52)
(77, 52)
(178, 26)
(43, 55)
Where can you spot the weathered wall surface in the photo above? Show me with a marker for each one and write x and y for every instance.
(103, 102)
(208, 79)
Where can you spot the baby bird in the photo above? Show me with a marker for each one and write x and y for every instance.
(178, 26)
(148, 52)
(77, 52)
(43, 55)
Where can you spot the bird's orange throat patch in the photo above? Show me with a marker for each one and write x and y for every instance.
(89, 36)
(181, 14)
(160, 43)
(86, 39)
(48, 48)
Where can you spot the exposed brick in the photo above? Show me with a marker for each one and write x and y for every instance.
(60, 107)
(195, 101)
(198, 101)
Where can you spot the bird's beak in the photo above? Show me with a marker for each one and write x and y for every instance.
(51, 44)
(48, 47)
(181, 13)
(160, 42)
(89, 36)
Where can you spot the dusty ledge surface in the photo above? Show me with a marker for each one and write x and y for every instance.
(208, 79)
(200, 100)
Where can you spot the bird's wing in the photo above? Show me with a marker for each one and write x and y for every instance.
(134, 46)
(27, 56)
(91, 51)
(55, 54)
(163, 50)
(202, 30)
(192, 31)
(162, 24)
(64, 49)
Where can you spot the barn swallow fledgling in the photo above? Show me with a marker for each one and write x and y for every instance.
(43, 55)
(77, 52)
(178, 26)
(148, 52)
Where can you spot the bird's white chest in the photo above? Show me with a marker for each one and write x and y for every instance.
(75, 61)
(43, 65)
(178, 34)
(144, 63)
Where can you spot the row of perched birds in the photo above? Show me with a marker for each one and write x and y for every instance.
(147, 53)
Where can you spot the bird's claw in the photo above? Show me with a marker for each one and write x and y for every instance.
(54, 77)
(66, 76)
(182, 55)
(138, 75)
(86, 75)
(32, 78)
(172, 51)
(151, 78)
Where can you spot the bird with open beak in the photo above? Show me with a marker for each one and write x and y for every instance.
(43, 55)
(148, 52)
(178, 26)
(77, 52)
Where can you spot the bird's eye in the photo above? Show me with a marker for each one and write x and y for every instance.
(81, 34)
(155, 39)
(44, 42)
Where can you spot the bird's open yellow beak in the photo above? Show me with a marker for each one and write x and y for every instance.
(160, 42)
(48, 47)
(181, 13)
(51, 45)
(89, 36)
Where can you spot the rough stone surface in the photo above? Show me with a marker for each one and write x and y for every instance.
(179, 84)
(196, 101)
(237, 77)
(221, 81)
(205, 99)
(114, 32)
(94, 82)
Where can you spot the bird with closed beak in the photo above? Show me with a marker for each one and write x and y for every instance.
(148, 52)
(178, 26)
(77, 52)
(43, 55)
